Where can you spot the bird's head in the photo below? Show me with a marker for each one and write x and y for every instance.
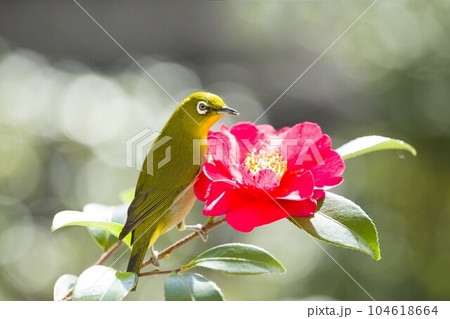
(205, 108)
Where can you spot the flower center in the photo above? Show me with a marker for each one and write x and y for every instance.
(264, 160)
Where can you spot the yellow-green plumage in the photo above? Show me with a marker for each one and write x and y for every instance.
(163, 199)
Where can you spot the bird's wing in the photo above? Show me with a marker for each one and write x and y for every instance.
(145, 204)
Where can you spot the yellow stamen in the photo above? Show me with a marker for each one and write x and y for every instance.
(264, 160)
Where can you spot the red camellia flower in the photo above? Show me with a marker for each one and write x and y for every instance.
(259, 175)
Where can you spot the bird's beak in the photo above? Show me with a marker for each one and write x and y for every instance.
(227, 110)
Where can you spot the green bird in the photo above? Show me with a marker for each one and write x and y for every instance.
(164, 198)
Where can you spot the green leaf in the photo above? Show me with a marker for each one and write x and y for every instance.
(237, 259)
(191, 287)
(63, 286)
(368, 144)
(115, 214)
(99, 283)
(97, 216)
(127, 195)
(341, 222)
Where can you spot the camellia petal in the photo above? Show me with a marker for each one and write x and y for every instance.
(219, 146)
(318, 194)
(267, 129)
(266, 179)
(329, 174)
(219, 206)
(248, 137)
(201, 186)
(305, 146)
(216, 172)
(301, 184)
(301, 131)
(303, 208)
(246, 214)
(211, 182)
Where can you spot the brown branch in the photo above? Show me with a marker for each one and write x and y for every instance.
(157, 272)
(68, 296)
(167, 251)
(108, 253)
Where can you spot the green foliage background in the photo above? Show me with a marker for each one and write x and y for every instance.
(69, 99)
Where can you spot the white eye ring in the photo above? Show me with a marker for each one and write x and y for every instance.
(202, 107)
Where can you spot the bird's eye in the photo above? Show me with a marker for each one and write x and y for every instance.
(202, 107)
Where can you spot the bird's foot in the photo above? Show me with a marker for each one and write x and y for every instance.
(199, 229)
(154, 260)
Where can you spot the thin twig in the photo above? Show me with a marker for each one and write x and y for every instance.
(167, 251)
(108, 253)
(157, 272)
(68, 296)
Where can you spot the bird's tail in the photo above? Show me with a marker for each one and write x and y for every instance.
(141, 240)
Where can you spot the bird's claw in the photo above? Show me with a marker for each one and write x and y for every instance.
(203, 234)
(154, 260)
(199, 229)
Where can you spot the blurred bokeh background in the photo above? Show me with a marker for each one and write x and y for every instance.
(70, 98)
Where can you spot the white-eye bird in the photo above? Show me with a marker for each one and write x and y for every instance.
(163, 199)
